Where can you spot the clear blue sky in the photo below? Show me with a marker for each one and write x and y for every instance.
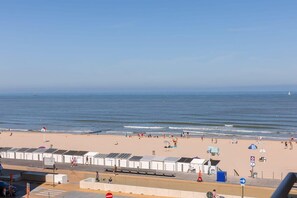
(154, 45)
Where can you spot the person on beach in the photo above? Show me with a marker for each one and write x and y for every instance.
(115, 169)
(87, 160)
(214, 193)
(97, 176)
(286, 145)
(109, 180)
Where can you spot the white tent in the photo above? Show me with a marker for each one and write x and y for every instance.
(183, 164)
(145, 162)
(110, 159)
(99, 159)
(58, 156)
(89, 157)
(134, 162)
(170, 163)
(157, 163)
(122, 159)
(198, 164)
(20, 154)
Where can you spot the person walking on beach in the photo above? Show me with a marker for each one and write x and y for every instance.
(87, 160)
(97, 176)
(214, 193)
(115, 169)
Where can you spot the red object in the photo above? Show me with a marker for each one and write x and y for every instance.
(199, 177)
(109, 195)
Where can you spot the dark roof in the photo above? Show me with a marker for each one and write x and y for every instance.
(213, 162)
(135, 158)
(112, 155)
(60, 151)
(71, 152)
(5, 149)
(23, 149)
(51, 150)
(185, 160)
(100, 155)
(124, 156)
(81, 153)
(13, 149)
(31, 150)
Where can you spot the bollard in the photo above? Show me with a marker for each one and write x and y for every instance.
(273, 175)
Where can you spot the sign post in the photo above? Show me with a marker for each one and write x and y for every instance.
(242, 183)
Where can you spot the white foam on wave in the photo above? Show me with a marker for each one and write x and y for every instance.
(228, 125)
(185, 128)
(143, 127)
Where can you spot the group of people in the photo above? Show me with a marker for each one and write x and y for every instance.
(73, 161)
(7, 193)
(97, 179)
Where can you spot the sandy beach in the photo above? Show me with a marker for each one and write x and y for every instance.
(280, 160)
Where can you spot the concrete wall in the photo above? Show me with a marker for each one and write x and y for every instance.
(90, 183)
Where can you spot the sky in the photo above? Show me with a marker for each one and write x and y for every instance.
(73, 45)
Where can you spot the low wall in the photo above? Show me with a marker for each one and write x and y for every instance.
(90, 183)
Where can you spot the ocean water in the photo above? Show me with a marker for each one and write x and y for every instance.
(272, 115)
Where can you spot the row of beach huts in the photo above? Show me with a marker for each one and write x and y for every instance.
(125, 160)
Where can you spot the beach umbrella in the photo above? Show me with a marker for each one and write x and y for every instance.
(252, 147)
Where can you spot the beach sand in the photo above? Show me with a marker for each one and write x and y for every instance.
(279, 162)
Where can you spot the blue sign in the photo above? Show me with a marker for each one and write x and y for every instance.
(242, 181)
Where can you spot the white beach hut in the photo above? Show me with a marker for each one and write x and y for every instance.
(183, 164)
(145, 162)
(122, 159)
(89, 157)
(79, 156)
(198, 164)
(157, 163)
(58, 156)
(3, 151)
(38, 154)
(110, 159)
(69, 156)
(99, 159)
(29, 153)
(49, 152)
(170, 163)
(10, 154)
(20, 154)
(134, 162)
(211, 167)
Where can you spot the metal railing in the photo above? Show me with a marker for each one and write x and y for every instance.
(285, 186)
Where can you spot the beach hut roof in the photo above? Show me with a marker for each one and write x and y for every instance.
(23, 149)
(50, 150)
(60, 152)
(171, 159)
(40, 150)
(198, 161)
(135, 158)
(112, 155)
(91, 154)
(185, 160)
(100, 155)
(159, 159)
(31, 150)
(147, 158)
(124, 156)
(81, 153)
(213, 162)
(5, 149)
(70, 152)
(13, 149)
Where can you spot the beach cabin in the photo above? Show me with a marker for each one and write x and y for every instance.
(99, 159)
(122, 159)
(145, 162)
(198, 164)
(79, 156)
(157, 163)
(89, 157)
(20, 154)
(38, 154)
(3, 151)
(49, 152)
(10, 154)
(211, 167)
(69, 156)
(183, 164)
(170, 163)
(29, 153)
(110, 159)
(58, 156)
(134, 162)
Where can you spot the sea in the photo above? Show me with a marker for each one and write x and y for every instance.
(225, 114)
